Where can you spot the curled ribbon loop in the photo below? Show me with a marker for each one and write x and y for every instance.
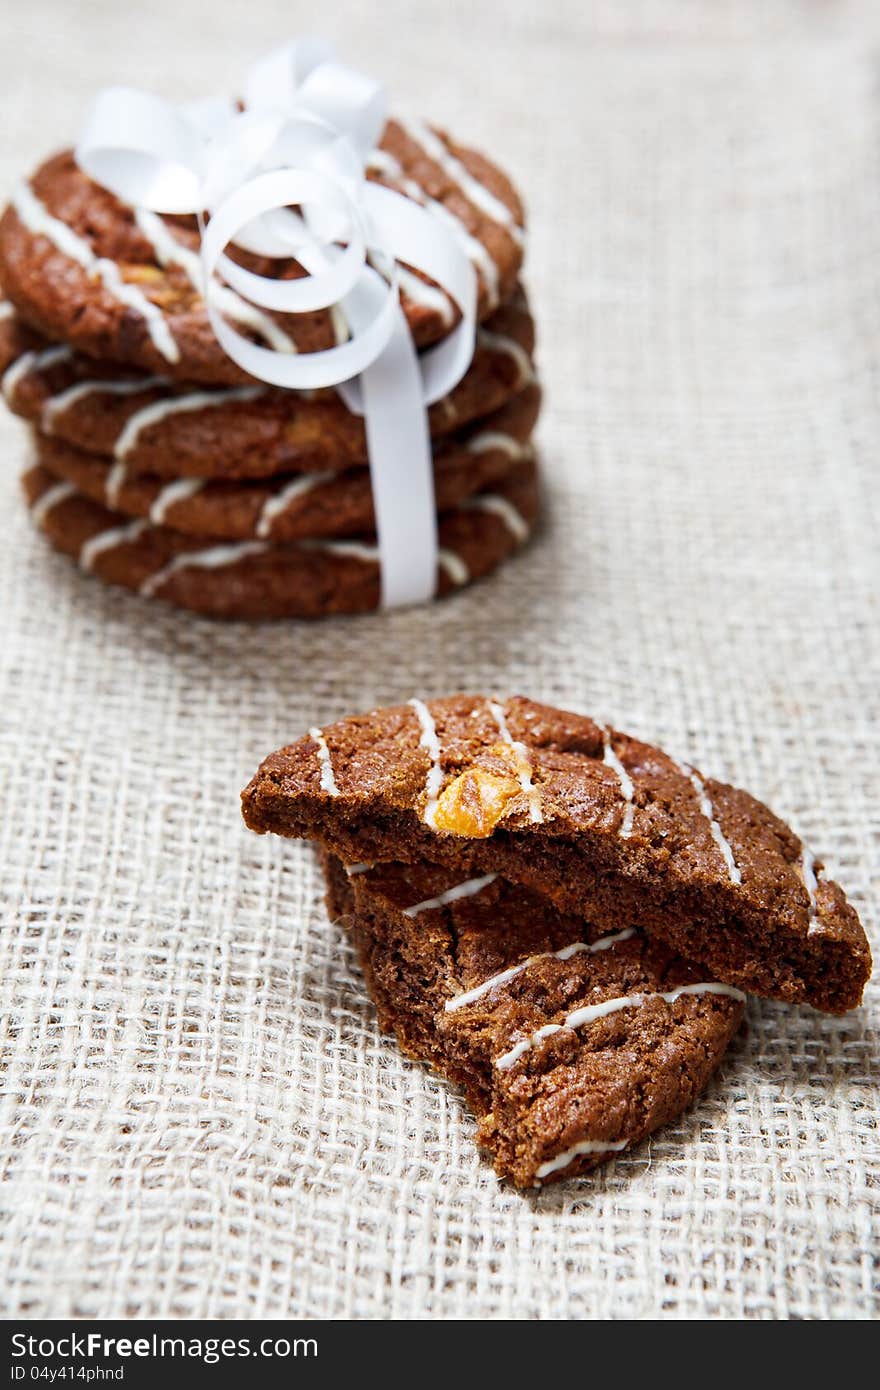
(285, 177)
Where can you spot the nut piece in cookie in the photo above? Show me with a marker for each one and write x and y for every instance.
(600, 823)
(474, 803)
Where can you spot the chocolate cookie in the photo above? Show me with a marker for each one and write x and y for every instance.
(603, 825)
(571, 1045)
(333, 503)
(16, 339)
(123, 285)
(265, 579)
(165, 429)
(171, 431)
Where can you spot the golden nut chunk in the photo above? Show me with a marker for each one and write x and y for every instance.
(473, 804)
(508, 752)
(141, 274)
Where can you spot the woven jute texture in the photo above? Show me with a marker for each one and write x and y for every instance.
(199, 1117)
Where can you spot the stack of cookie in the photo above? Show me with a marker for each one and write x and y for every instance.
(159, 465)
(560, 919)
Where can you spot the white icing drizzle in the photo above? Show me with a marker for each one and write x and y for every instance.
(385, 164)
(56, 405)
(52, 497)
(359, 550)
(501, 342)
(325, 763)
(109, 540)
(353, 869)
(29, 362)
(114, 483)
(811, 883)
(177, 491)
(280, 501)
(346, 550)
(475, 191)
(454, 566)
(591, 1012)
(585, 1146)
(627, 790)
(605, 943)
(415, 289)
(169, 251)
(523, 762)
(473, 247)
(808, 874)
(339, 324)
(249, 316)
(507, 444)
(216, 557)
(417, 292)
(708, 811)
(160, 410)
(38, 219)
(468, 889)
(501, 507)
(7, 310)
(430, 742)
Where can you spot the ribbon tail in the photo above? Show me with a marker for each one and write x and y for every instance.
(401, 471)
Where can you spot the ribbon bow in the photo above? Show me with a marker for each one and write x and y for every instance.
(302, 142)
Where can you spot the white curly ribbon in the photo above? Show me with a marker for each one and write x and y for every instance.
(302, 142)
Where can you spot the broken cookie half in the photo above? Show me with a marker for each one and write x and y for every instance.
(570, 1046)
(560, 918)
(601, 824)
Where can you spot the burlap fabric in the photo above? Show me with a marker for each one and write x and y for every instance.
(199, 1117)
